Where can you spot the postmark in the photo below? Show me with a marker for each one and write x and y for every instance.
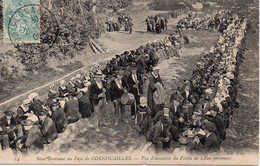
(21, 21)
(31, 27)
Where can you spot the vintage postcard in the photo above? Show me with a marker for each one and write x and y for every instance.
(129, 82)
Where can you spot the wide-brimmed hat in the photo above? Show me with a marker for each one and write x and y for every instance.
(9, 113)
(41, 113)
(99, 74)
(27, 122)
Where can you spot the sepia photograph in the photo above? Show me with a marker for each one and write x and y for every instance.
(129, 82)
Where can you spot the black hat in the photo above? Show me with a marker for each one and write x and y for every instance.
(126, 52)
(165, 120)
(9, 113)
(208, 126)
(132, 51)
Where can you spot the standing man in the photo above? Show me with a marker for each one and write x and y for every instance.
(152, 22)
(98, 96)
(134, 86)
(130, 27)
(117, 91)
(148, 24)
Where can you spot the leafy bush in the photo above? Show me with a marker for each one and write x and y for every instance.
(77, 23)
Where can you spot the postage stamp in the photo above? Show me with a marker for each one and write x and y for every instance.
(21, 21)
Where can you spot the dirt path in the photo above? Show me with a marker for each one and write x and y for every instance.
(124, 138)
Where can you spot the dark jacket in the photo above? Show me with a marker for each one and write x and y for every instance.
(219, 122)
(34, 138)
(159, 115)
(130, 84)
(143, 117)
(20, 114)
(211, 144)
(70, 88)
(95, 91)
(157, 133)
(79, 84)
(7, 128)
(115, 91)
(49, 130)
(36, 107)
(60, 120)
(85, 106)
(62, 92)
(72, 110)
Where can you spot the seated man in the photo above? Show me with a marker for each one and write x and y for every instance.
(32, 141)
(160, 135)
(22, 109)
(173, 128)
(71, 109)
(143, 118)
(36, 105)
(47, 126)
(211, 143)
(59, 117)
(71, 88)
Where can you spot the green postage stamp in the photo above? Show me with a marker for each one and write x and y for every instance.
(21, 21)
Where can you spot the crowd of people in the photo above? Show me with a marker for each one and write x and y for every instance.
(211, 21)
(199, 112)
(124, 20)
(197, 115)
(159, 21)
(121, 81)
